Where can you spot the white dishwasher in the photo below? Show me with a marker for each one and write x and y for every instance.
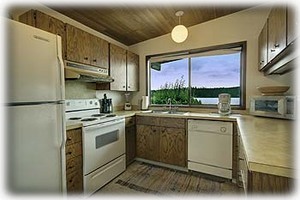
(210, 147)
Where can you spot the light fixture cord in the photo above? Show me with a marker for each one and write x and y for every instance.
(179, 20)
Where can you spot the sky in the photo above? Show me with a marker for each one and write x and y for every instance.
(208, 71)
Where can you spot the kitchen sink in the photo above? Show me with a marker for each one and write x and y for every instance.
(173, 112)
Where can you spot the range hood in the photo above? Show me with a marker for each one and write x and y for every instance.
(86, 73)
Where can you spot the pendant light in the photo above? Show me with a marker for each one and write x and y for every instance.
(179, 32)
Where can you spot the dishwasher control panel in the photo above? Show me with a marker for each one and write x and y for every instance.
(210, 126)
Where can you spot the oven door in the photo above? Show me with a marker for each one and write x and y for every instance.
(102, 143)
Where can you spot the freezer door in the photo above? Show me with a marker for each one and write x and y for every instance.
(36, 138)
(35, 69)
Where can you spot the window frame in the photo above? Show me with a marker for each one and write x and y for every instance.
(190, 54)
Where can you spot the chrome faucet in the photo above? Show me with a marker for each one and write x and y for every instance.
(169, 102)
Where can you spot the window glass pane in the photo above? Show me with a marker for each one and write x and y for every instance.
(169, 79)
(215, 74)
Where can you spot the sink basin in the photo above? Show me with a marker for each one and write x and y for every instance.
(173, 112)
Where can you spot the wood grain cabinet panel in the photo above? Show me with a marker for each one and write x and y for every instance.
(74, 182)
(130, 135)
(159, 139)
(148, 142)
(173, 146)
(78, 42)
(263, 47)
(74, 161)
(172, 122)
(276, 31)
(124, 69)
(292, 24)
(132, 71)
(99, 52)
(74, 164)
(118, 68)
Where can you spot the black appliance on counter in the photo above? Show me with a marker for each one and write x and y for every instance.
(106, 105)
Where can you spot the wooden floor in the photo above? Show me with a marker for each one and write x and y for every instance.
(141, 178)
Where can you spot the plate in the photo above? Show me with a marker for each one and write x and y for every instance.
(273, 90)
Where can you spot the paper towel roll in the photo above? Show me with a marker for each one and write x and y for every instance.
(145, 102)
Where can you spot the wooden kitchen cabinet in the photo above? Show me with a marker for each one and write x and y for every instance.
(118, 68)
(162, 139)
(132, 71)
(86, 48)
(74, 160)
(99, 52)
(124, 69)
(148, 142)
(173, 146)
(276, 31)
(263, 47)
(45, 22)
(130, 135)
(292, 24)
(77, 45)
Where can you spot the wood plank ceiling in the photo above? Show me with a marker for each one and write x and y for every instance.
(133, 24)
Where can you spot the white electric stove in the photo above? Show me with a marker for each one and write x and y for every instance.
(103, 136)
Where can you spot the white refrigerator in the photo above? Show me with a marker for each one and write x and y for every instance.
(35, 111)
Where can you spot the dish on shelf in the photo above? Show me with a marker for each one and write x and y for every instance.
(273, 90)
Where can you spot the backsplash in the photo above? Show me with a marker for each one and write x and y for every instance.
(83, 90)
(79, 90)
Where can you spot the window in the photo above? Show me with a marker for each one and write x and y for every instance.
(197, 77)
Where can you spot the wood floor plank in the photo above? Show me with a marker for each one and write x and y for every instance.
(142, 178)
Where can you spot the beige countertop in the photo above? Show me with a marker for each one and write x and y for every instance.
(268, 142)
(72, 125)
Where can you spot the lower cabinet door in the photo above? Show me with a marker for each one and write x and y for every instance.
(173, 146)
(148, 142)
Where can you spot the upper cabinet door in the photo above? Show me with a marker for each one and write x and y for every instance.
(118, 68)
(263, 47)
(99, 52)
(292, 24)
(276, 31)
(132, 71)
(78, 45)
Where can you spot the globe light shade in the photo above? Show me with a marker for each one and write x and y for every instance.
(179, 33)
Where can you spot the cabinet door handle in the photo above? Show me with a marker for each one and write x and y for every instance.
(276, 45)
(95, 60)
(123, 86)
(273, 50)
(85, 58)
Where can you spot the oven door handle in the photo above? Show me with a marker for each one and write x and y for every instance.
(110, 123)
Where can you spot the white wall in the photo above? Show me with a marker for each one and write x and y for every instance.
(242, 26)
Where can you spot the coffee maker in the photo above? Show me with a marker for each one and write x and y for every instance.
(106, 105)
(224, 104)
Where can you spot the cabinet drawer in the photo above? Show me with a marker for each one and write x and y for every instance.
(74, 164)
(129, 121)
(145, 120)
(73, 136)
(75, 182)
(172, 122)
(73, 150)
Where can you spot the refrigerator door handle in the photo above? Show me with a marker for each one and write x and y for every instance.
(61, 67)
(63, 140)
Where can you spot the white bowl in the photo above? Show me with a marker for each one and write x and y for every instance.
(273, 90)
